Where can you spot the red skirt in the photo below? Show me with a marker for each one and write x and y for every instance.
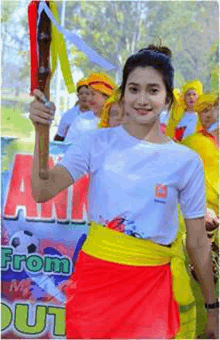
(116, 301)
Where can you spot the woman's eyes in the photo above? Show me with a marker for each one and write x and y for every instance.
(154, 91)
(151, 91)
(133, 89)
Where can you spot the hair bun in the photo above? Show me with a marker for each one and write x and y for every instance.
(161, 49)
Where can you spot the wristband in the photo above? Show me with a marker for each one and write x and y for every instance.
(212, 305)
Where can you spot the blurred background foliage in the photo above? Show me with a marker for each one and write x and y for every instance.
(115, 30)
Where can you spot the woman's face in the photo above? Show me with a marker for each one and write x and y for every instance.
(209, 116)
(97, 100)
(115, 115)
(84, 96)
(145, 96)
(191, 97)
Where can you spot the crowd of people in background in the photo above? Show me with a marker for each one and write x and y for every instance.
(98, 106)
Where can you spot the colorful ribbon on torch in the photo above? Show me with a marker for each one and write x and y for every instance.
(58, 50)
(58, 47)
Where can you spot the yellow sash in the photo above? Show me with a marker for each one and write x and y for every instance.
(113, 246)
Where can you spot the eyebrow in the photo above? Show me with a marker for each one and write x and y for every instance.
(149, 85)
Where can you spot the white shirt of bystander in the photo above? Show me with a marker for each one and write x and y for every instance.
(84, 122)
(188, 124)
(67, 119)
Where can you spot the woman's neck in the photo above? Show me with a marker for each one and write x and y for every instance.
(149, 133)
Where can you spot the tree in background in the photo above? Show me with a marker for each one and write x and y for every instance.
(116, 29)
(190, 29)
(15, 47)
(113, 28)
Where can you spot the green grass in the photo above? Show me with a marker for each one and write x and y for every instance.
(14, 124)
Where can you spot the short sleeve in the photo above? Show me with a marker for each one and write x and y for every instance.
(192, 189)
(77, 158)
(62, 128)
(66, 121)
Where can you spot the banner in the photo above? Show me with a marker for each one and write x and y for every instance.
(40, 244)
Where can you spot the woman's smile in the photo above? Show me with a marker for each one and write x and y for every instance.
(143, 111)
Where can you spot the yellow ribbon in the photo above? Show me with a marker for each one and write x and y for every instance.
(58, 50)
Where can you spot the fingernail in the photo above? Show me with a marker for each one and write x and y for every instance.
(44, 99)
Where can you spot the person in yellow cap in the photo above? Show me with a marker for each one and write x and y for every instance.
(183, 119)
(82, 105)
(112, 113)
(207, 107)
(101, 87)
(204, 142)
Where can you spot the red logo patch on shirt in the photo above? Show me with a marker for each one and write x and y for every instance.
(160, 193)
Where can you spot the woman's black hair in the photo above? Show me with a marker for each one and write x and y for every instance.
(156, 57)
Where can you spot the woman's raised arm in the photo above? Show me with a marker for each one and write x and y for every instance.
(58, 177)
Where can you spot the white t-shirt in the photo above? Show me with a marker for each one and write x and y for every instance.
(67, 119)
(187, 125)
(83, 122)
(137, 185)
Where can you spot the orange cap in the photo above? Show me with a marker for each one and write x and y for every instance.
(102, 83)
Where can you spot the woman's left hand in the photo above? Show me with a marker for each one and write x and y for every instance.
(212, 325)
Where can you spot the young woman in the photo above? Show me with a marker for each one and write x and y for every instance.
(82, 105)
(130, 277)
(101, 87)
(183, 119)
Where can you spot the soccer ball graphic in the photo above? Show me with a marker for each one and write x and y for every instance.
(24, 242)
